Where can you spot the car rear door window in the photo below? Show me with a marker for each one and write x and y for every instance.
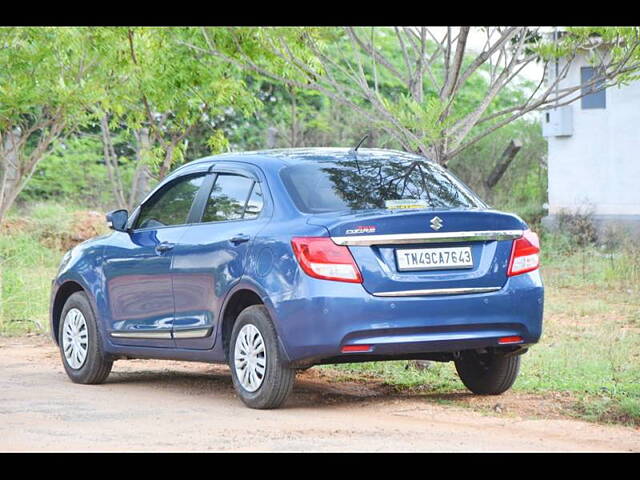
(228, 199)
(170, 205)
(255, 203)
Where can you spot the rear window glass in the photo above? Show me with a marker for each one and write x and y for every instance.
(374, 183)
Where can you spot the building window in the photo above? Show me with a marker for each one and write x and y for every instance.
(597, 99)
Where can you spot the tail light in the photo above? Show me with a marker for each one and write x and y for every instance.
(525, 255)
(319, 257)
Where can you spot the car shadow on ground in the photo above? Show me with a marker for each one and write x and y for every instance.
(310, 390)
(192, 383)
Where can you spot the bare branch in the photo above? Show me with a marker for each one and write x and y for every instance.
(453, 70)
(544, 101)
(354, 81)
(375, 54)
(405, 56)
(486, 54)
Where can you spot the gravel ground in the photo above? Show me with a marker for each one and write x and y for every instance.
(152, 405)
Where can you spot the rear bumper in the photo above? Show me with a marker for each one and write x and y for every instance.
(313, 328)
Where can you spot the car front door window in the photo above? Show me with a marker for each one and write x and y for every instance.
(171, 205)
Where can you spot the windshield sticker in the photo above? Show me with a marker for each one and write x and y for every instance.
(405, 204)
(361, 229)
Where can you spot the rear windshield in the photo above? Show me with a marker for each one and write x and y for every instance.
(325, 186)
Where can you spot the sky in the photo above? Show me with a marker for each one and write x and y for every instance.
(476, 41)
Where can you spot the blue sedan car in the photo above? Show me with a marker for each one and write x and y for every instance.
(274, 261)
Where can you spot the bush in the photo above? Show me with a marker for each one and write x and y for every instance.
(578, 225)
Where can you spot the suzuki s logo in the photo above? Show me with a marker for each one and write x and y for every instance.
(436, 223)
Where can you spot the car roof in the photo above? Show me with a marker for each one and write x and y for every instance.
(289, 156)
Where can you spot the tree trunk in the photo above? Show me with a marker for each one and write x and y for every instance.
(9, 173)
(111, 162)
(9, 170)
(16, 169)
(294, 121)
(271, 137)
(142, 175)
(168, 160)
(435, 152)
(503, 164)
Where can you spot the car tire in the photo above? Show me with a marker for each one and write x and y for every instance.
(78, 333)
(486, 373)
(260, 377)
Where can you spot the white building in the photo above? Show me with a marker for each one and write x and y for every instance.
(594, 152)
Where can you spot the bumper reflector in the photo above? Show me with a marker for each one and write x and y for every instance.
(356, 348)
(504, 340)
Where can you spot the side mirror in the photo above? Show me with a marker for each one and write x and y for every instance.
(117, 219)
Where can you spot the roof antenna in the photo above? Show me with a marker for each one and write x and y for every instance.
(355, 151)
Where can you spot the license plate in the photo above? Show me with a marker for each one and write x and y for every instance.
(434, 258)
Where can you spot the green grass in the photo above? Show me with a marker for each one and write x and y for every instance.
(29, 257)
(27, 268)
(438, 378)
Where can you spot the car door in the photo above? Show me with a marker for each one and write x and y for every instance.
(137, 265)
(211, 256)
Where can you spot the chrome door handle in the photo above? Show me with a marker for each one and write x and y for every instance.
(164, 247)
(240, 238)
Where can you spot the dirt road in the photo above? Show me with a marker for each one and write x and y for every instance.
(155, 405)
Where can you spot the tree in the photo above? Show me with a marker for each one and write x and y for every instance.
(429, 110)
(48, 79)
(89, 186)
(161, 93)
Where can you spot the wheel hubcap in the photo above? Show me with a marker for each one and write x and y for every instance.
(75, 338)
(250, 358)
